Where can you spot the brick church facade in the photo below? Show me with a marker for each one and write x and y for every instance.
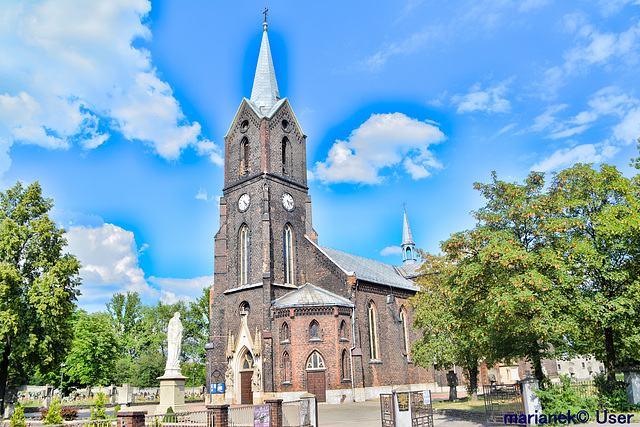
(289, 316)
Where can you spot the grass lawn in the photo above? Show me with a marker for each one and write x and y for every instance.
(462, 404)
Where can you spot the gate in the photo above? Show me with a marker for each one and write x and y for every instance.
(500, 400)
(412, 409)
(387, 414)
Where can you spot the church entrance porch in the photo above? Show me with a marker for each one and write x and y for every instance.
(246, 395)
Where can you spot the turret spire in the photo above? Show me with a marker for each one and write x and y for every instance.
(265, 88)
(408, 247)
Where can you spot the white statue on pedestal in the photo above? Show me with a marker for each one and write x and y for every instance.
(174, 345)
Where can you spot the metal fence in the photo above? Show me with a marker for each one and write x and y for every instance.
(111, 422)
(178, 419)
(241, 416)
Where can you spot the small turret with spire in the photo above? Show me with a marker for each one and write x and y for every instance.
(408, 247)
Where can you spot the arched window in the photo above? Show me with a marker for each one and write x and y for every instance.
(313, 330)
(342, 331)
(244, 155)
(409, 256)
(286, 368)
(315, 361)
(285, 336)
(287, 236)
(244, 308)
(244, 254)
(373, 331)
(405, 334)
(285, 156)
(344, 365)
(247, 361)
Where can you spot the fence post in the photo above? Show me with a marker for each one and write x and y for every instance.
(275, 406)
(217, 415)
(530, 399)
(131, 418)
(312, 405)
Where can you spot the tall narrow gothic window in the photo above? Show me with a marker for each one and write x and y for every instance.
(403, 323)
(284, 332)
(313, 330)
(344, 365)
(286, 155)
(244, 255)
(244, 155)
(373, 331)
(288, 254)
(286, 368)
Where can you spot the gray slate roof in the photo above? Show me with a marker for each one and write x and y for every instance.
(309, 295)
(368, 269)
(410, 271)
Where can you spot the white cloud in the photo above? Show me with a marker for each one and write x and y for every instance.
(628, 130)
(75, 77)
(110, 264)
(489, 100)
(109, 259)
(202, 195)
(585, 153)
(391, 250)
(592, 48)
(384, 140)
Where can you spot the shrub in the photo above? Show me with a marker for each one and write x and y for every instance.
(17, 419)
(561, 398)
(613, 396)
(52, 415)
(98, 410)
(68, 413)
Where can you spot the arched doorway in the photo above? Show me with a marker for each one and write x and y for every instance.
(246, 372)
(316, 382)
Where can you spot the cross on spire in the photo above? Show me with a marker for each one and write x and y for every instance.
(265, 14)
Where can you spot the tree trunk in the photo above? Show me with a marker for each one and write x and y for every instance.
(4, 373)
(537, 366)
(610, 363)
(472, 373)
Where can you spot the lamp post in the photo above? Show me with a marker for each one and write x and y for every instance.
(62, 365)
(193, 381)
(207, 348)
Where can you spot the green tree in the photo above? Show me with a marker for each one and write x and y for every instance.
(506, 272)
(453, 332)
(126, 313)
(94, 351)
(38, 286)
(600, 226)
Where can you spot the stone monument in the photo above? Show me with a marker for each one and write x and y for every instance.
(172, 382)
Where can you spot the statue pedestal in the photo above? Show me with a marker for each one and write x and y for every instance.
(171, 393)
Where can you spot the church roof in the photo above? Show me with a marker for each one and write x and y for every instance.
(406, 232)
(309, 295)
(264, 93)
(410, 271)
(369, 270)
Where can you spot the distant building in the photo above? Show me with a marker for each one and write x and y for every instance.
(290, 316)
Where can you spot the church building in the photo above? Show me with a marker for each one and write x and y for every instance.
(289, 316)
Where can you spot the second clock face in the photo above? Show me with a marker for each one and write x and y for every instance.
(287, 201)
(243, 202)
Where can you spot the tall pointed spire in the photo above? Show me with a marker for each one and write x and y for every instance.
(265, 88)
(408, 247)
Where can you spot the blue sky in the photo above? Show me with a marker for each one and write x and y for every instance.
(119, 110)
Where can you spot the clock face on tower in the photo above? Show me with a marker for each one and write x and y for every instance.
(287, 202)
(243, 202)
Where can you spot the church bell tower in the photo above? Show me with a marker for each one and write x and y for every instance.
(265, 213)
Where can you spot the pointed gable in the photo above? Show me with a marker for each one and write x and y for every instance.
(311, 296)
